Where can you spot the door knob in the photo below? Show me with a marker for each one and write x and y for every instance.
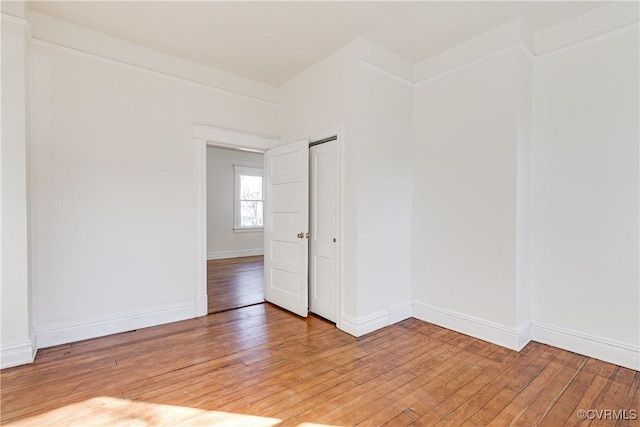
(300, 235)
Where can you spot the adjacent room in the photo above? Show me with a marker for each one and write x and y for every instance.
(235, 237)
(320, 213)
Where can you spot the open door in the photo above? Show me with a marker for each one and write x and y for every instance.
(286, 226)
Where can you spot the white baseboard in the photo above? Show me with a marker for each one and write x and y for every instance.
(372, 322)
(16, 354)
(400, 312)
(234, 254)
(364, 325)
(605, 349)
(524, 335)
(348, 324)
(512, 338)
(63, 333)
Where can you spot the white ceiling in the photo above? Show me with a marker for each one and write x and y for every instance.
(273, 41)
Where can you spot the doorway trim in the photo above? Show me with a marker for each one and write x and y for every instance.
(202, 137)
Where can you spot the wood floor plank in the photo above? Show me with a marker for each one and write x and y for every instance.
(97, 352)
(431, 374)
(201, 390)
(614, 398)
(234, 283)
(374, 388)
(350, 412)
(504, 396)
(603, 373)
(427, 367)
(489, 369)
(632, 402)
(539, 389)
(390, 412)
(277, 389)
(564, 411)
(553, 391)
(140, 359)
(442, 387)
(359, 409)
(296, 358)
(520, 362)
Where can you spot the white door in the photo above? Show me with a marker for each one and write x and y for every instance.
(323, 270)
(286, 226)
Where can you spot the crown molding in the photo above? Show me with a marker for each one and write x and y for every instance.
(591, 40)
(106, 60)
(74, 39)
(592, 26)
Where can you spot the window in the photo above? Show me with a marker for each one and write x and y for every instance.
(249, 191)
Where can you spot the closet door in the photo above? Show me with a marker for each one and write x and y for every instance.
(323, 261)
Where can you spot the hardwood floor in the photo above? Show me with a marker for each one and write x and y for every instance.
(260, 365)
(234, 282)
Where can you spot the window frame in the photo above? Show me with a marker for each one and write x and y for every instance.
(238, 171)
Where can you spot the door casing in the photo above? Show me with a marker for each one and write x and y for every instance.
(260, 143)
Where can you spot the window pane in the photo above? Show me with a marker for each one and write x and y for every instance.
(250, 214)
(250, 187)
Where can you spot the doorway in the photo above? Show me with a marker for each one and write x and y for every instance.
(235, 237)
(224, 138)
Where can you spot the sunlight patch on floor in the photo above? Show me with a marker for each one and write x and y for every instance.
(108, 411)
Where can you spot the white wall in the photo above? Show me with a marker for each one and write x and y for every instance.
(526, 178)
(17, 344)
(464, 198)
(584, 252)
(367, 91)
(222, 240)
(113, 218)
(384, 177)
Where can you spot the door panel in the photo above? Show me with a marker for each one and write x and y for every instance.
(286, 216)
(323, 271)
